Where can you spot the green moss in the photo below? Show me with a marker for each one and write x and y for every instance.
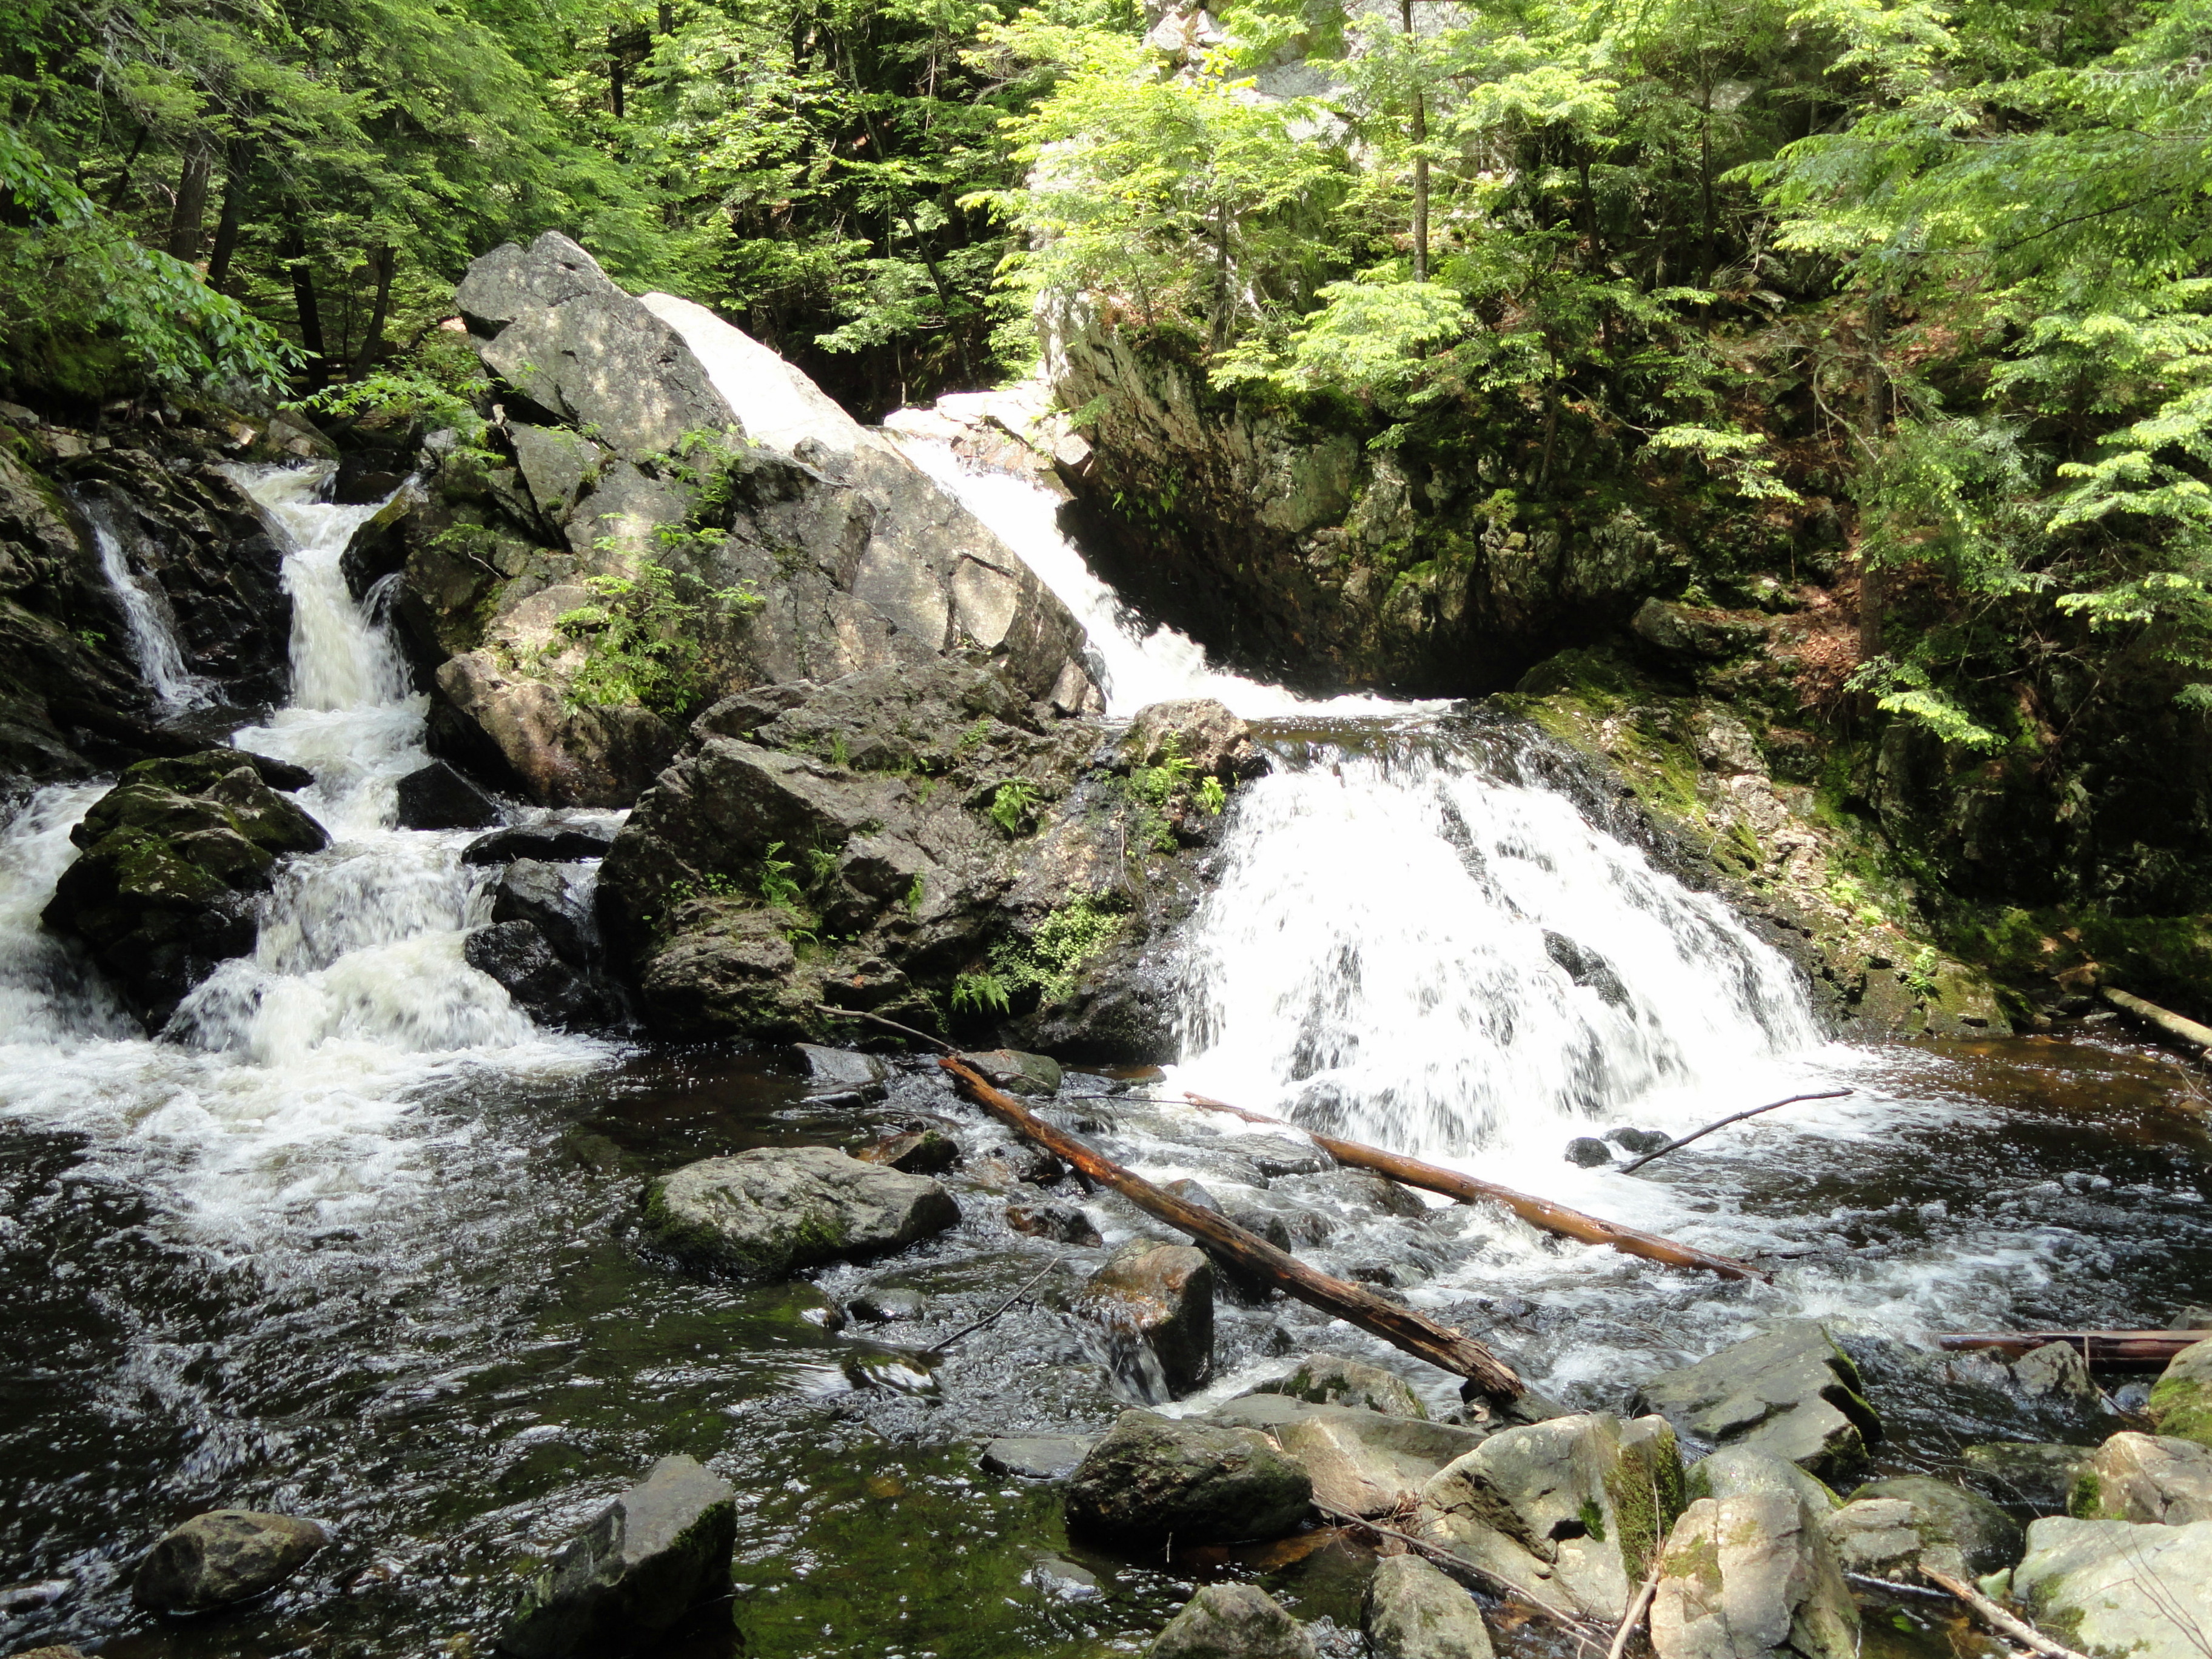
(2086, 1502)
(2182, 1406)
(1646, 1487)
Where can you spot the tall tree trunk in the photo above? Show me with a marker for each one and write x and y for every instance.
(615, 68)
(191, 203)
(226, 224)
(1706, 185)
(303, 298)
(1870, 593)
(372, 347)
(122, 184)
(1420, 136)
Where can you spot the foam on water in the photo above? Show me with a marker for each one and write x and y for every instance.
(152, 629)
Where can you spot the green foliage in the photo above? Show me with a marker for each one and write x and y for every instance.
(1045, 964)
(1211, 796)
(1013, 808)
(772, 877)
(640, 637)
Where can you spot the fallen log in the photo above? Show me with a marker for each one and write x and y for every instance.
(1539, 1213)
(1997, 1619)
(1403, 1327)
(2097, 1347)
(1634, 1165)
(2188, 1031)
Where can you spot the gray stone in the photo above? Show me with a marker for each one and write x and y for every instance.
(1682, 630)
(1216, 742)
(436, 797)
(1639, 1141)
(1360, 1462)
(527, 966)
(1154, 1305)
(2056, 1372)
(2144, 1477)
(1413, 1611)
(1151, 1478)
(1035, 1457)
(221, 1557)
(1063, 1224)
(2181, 1399)
(1589, 1151)
(556, 465)
(1331, 1379)
(1017, 1072)
(917, 1151)
(564, 754)
(768, 1210)
(1062, 1580)
(886, 1303)
(2119, 1589)
(1790, 1390)
(1891, 1528)
(555, 843)
(657, 1551)
(840, 1071)
(555, 899)
(1748, 1572)
(1233, 1622)
(2039, 1476)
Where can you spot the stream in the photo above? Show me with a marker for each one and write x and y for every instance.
(351, 1240)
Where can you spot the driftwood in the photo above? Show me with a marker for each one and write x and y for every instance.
(1996, 1618)
(1634, 1165)
(2097, 1347)
(1404, 1328)
(1539, 1213)
(1641, 1605)
(2188, 1031)
(892, 1024)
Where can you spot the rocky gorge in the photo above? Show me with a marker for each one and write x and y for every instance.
(498, 1027)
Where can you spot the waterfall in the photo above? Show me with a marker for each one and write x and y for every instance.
(147, 619)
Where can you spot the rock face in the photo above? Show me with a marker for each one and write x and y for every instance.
(1413, 1611)
(1329, 1379)
(1748, 1572)
(1790, 1391)
(2181, 1400)
(2118, 1589)
(655, 457)
(173, 855)
(1890, 1527)
(221, 1557)
(2149, 1478)
(1233, 1622)
(764, 1213)
(658, 1550)
(1154, 1303)
(1151, 1477)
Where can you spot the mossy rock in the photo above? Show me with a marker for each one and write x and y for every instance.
(2181, 1400)
(773, 1209)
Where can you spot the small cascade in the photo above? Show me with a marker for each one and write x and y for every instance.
(152, 628)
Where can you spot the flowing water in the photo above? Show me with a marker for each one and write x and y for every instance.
(351, 1240)
(152, 629)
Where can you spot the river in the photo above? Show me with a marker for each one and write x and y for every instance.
(350, 1242)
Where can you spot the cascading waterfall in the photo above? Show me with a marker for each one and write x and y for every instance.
(147, 620)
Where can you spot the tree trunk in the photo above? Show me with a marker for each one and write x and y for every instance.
(1420, 136)
(123, 179)
(1870, 594)
(303, 298)
(615, 68)
(372, 347)
(191, 203)
(228, 224)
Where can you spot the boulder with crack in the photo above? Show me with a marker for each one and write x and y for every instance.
(1748, 1572)
(1790, 1390)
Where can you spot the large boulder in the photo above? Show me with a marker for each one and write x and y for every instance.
(1360, 1462)
(2181, 1399)
(1790, 1390)
(764, 1213)
(1570, 1509)
(544, 984)
(1233, 1622)
(222, 1557)
(1154, 1305)
(656, 1552)
(557, 899)
(1748, 1572)
(1331, 1379)
(2144, 1477)
(1151, 1478)
(436, 797)
(1891, 1528)
(173, 856)
(2119, 1589)
(1411, 1610)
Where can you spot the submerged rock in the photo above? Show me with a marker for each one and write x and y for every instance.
(1233, 1622)
(839, 1073)
(2143, 1477)
(1411, 1610)
(555, 843)
(764, 1213)
(1063, 1224)
(221, 1557)
(1748, 1572)
(1155, 1302)
(1891, 1528)
(657, 1551)
(1330, 1379)
(2181, 1399)
(1035, 1457)
(2039, 1476)
(1151, 1478)
(436, 797)
(1790, 1391)
(1017, 1072)
(1589, 1152)
(885, 1303)
(2119, 1588)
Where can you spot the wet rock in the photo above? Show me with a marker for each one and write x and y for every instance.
(1571, 1508)
(30, 1596)
(657, 1551)
(2143, 1477)
(1748, 1572)
(1017, 1072)
(1790, 1391)
(1151, 1478)
(523, 961)
(2040, 1477)
(1214, 741)
(1233, 1622)
(221, 1557)
(1589, 1152)
(1062, 1580)
(887, 1302)
(1359, 1461)
(553, 843)
(436, 797)
(172, 856)
(1016, 1163)
(763, 1212)
(1890, 1527)
(550, 898)
(50, 1653)
(1063, 1224)
(1330, 1379)
(1413, 1611)
(2181, 1399)
(900, 1370)
(2055, 1373)
(1155, 1301)
(2119, 1587)
(842, 1071)
(1035, 1457)
(1639, 1141)
(917, 1151)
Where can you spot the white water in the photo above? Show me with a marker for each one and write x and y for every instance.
(293, 1098)
(153, 631)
